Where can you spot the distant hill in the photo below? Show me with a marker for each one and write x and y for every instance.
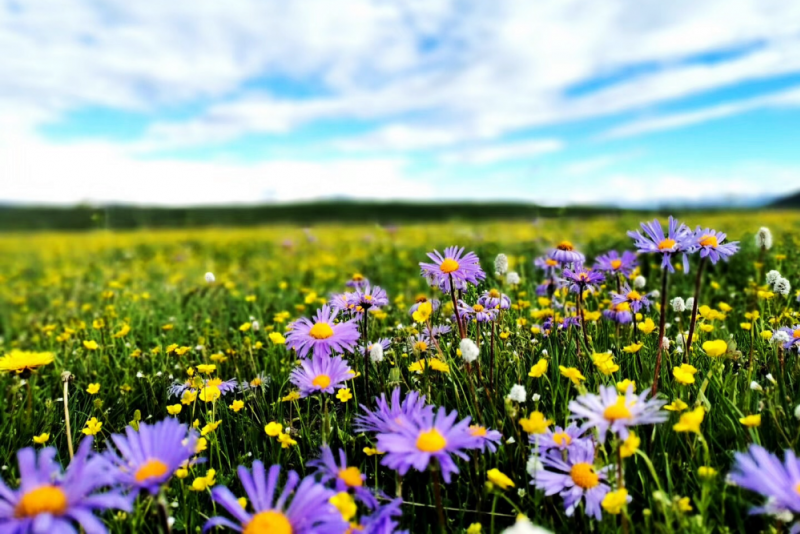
(16, 218)
(787, 202)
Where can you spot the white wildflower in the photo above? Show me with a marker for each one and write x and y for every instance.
(376, 353)
(469, 350)
(639, 282)
(210, 278)
(764, 238)
(518, 393)
(501, 264)
(678, 305)
(512, 278)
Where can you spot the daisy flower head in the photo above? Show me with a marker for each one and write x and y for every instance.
(790, 336)
(574, 478)
(368, 297)
(710, 244)
(565, 253)
(357, 281)
(614, 412)
(146, 460)
(613, 263)
(679, 239)
(547, 264)
(452, 266)
(322, 336)
(632, 297)
(426, 436)
(619, 313)
(214, 388)
(485, 437)
(560, 439)
(580, 278)
(762, 472)
(392, 412)
(302, 507)
(477, 312)
(494, 299)
(345, 478)
(48, 500)
(320, 374)
(23, 361)
(436, 331)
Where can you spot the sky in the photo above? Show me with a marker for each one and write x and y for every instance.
(187, 102)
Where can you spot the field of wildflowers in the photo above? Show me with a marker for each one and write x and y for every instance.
(584, 375)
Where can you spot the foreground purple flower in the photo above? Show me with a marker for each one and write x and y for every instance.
(613, 412)
(146, 460)
(762, 472)
(454, 265)
(612, 263)
(322, 336)
(390, 413)
(309, 511)
(345, 478)
(320, 374)
(677, 240)
(710, 244)
(48, 501)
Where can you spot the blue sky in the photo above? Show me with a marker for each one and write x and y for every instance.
(554, 101)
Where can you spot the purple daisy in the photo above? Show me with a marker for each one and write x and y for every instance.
(565, 253)
(437, 331)
(762, 472)
(421, 299)
(486, 437)
(357, 281)
(611, 262)
(340, 302)
(632, 297)
(454, 265)
(613, 412)
(574, 478)
(146, 460)
(322, 336)
(49, 501)
(560, 439)
(477, 312)
(678, 240)
(793, 333)
(547, 264)
(345, 478)
(495, 300)
(321, 373)
(710, 244)
(382, 520)
(416, 440)
(309, 511)
(389, 413)
(368, 297)
(580, 278)
(385, 343)
(619, 313)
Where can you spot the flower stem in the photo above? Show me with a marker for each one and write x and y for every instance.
(437, 494)
(65, 378)
(661, 325)
(697, 284)
(455, 308)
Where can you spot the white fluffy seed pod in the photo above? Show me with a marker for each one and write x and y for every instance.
(512, 278)
(210, 277)
(469, 350)
(639, 282)
(501, 264)
(376, 353)
(678, 305)
(764, 238)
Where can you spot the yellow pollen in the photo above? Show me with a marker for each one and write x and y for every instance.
(616, 264)
(494, 293)
(431, 441)
(42, 500)
(623, 306)
(358, 277)
(321, 331)
(561, 438)
(322, 381)
(477, 430)
(420, 346)
(797, 488)
(421, 298)
(565, 245)
(709, 241)
(351, 476)
(634, 295)
(666, 244)
(617, 411)
(272, 522)
(796, 333)
(449, 265)
(151, 469)
(551, 263)
(583, 476)
(478, 308)
(255, 382)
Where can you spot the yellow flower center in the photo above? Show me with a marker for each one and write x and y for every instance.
(449, 265)
(358, 277)
(421, 298)
(321, 331)
(478, 308)
(42, 500)
(797, 488)
(796, 333)
(616, 264)
(255, 382)
(151, 469)
(583, 475)
(617, 410)
(709, 241)
(351, 476)
(634, 295)
(272, 522)
(495, 294)
(666, 244)
(561, 438)
(477, 430)
(431, 441)
(322, 381)
(550, 262)
(420, 346)
(622, 307)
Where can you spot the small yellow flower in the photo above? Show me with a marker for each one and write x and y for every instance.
(204, 482)
(167, 327)
(202, 445)
(604, 362)
(684, 505)
(93, 389)
(286, 441)
(474, 528)
(751, 420)
(615, 501)
(684, 374)
(536, 423)
(766, 334)
(371, 451)
(572, 373)
(277, 338)
(182, 473)
(345, 503)
(292, 396)
(92, 427)
(705, 471)
(245, 327)
(538, 369)
(647, 326)
(690, 421)
(745, 326)
(174, 409)
(715, 348)
(633, 348)
(423, 312)
(622, 387)
(344, 395)
(188, 397)
(19, 360)
(273, 429)
(676, 406)
(206, 368)
(123, 331)
(630, 445)
(499, 479)
(209, 428)
(90, 345)
(236, 405)
(42, 438)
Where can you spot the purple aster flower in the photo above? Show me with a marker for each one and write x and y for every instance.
(548, 265)
(613, 412)
(632, 297)
(710, 244)
(357, 281)
(437, 331)
(416, 440)
(321, 373)
(434, 304)
(385, 343)
(476, 312)
(678, 240)
(453, 265)
(495, 300)
(345, 478)
(613, 263)
(340, 302)
(759, 471)
(544, 288)
(419, 343)
(49, 501)
(382, 520)
(370, 297)
(565, 253)
(390, 413)
(574, 478)
(572, 320)
(619, 313)
(580, 278)
(793, 333)
(486, 437)
(146, 460)
(309, 511)
(261, 381)
(560, 439)
(322, 336)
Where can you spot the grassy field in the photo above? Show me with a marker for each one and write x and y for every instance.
(132, 312)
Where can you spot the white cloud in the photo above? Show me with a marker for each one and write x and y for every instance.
(487, 154)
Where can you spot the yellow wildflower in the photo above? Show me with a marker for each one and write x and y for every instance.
(615, 501)
(538, 369)
(690, 421)
(344, 395)
(93, 389)
(572, 373)
(499, 479)
(92, 427)
(536, 423)
(751, 420)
